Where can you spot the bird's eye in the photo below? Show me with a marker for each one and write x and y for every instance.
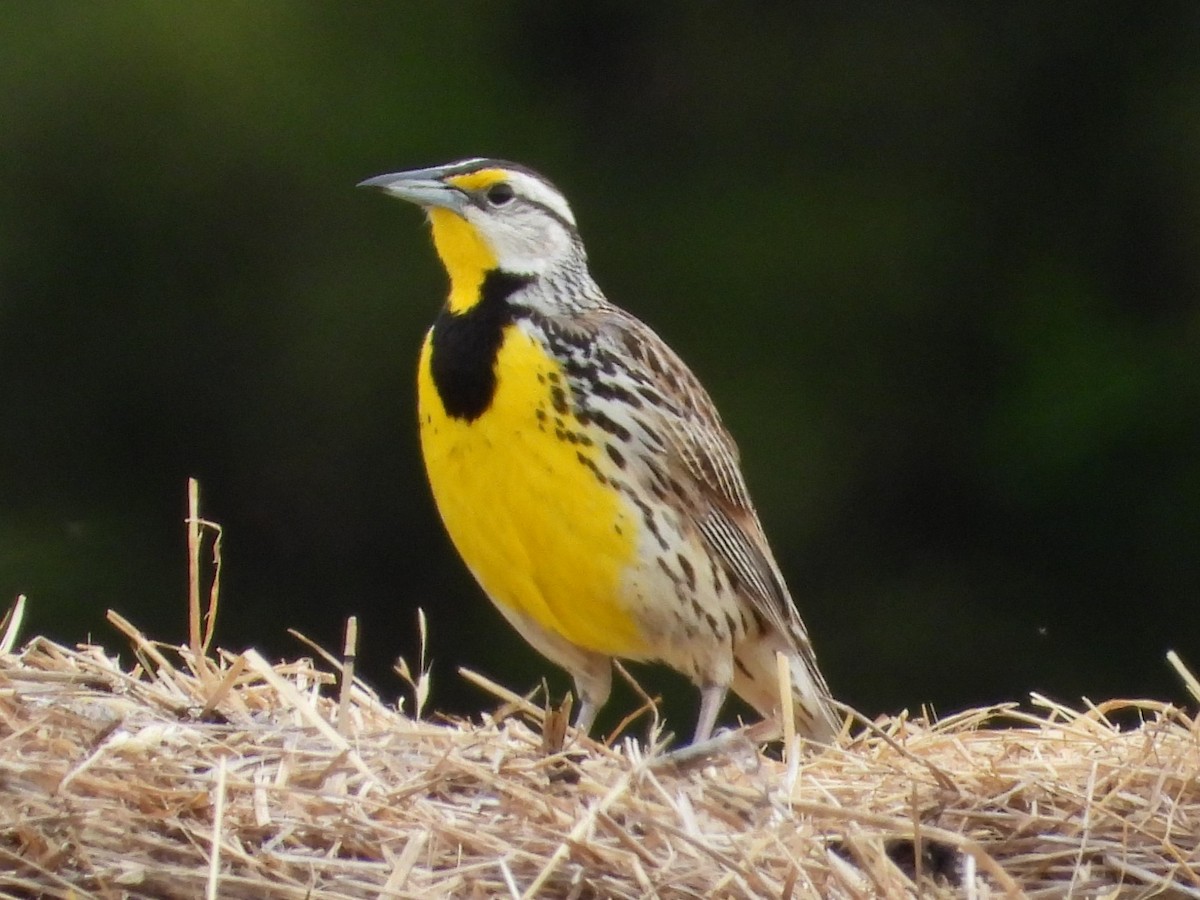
(500, 193)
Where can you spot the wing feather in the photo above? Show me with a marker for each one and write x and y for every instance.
(702, 450)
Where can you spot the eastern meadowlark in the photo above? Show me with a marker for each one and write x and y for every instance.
(581, 469)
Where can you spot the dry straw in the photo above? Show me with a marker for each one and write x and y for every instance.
(185, 773)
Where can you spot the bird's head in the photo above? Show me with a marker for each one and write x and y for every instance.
(489, 214)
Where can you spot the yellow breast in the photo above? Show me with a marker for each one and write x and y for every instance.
(538, 529)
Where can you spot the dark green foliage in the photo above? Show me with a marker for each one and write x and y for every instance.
(938, 264)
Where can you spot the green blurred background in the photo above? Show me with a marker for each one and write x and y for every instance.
(939, 265)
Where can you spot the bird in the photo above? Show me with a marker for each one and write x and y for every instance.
(582, 471)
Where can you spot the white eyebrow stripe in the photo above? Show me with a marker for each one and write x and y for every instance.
(537, 191)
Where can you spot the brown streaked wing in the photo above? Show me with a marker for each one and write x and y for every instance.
(708, 456)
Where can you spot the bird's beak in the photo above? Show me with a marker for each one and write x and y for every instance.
(423, 187)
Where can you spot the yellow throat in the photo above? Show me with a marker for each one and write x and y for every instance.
(465, 255)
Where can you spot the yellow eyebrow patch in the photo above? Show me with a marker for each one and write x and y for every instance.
(474, 181)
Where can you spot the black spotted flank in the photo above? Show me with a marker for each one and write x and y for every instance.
(689, 573)
(558, 398)
(464, 345)
(616, 429)
(611, 391)
(587, 463)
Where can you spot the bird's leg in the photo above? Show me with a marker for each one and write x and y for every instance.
(593, 685)
(712, 696)
(586, 716)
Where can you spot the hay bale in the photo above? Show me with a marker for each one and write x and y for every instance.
(179, 776)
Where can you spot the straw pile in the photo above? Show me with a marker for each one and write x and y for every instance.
(191, 773)
(185, 776)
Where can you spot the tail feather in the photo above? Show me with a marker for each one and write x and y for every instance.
(756, 681)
